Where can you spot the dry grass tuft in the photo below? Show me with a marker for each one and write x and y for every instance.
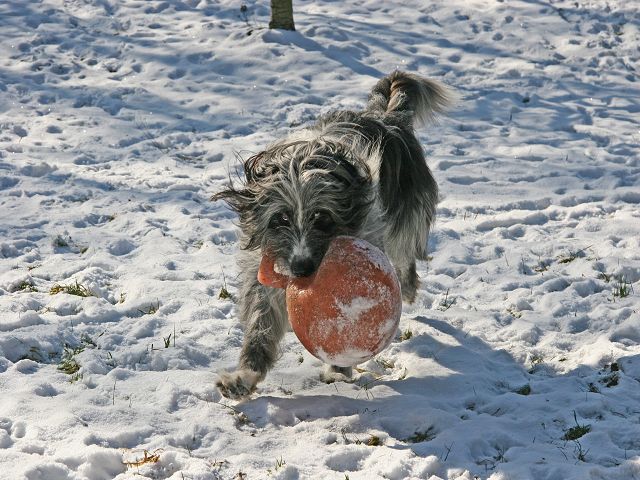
(148, 457)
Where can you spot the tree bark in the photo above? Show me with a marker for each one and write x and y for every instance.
(282, 15)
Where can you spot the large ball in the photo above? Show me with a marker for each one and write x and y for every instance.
(349, 310)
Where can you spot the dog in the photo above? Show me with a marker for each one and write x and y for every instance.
(358, 173)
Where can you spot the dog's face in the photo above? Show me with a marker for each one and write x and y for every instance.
(297, 198)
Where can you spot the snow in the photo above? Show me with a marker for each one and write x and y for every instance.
(118, 120)
(349, 312)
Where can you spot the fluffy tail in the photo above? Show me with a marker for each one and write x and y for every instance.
(421, 99)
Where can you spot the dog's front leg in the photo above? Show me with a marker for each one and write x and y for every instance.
(264, 316)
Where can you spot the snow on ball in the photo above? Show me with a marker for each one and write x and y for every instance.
(349, 310)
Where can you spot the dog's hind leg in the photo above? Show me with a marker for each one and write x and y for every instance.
(265, 321)
(333, 373)
(406, 271)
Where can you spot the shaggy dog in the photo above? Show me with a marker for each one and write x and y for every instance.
(352, 173)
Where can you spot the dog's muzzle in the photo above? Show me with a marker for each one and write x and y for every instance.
(302, 266)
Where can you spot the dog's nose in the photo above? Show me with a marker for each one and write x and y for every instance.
(302, 266)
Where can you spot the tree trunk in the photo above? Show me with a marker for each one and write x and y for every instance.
(282, 15)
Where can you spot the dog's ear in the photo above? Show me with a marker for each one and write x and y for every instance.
(256, 168)
(243, 198)
(240, 198)
(252, 167)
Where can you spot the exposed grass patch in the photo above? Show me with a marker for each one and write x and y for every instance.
(88, 341)
(366, 386)
(593, 388)
(224, 292)
(37, 355)
(541, 267)
(280, 463)
(167, 341)
(536, 360)
(406, 335)
(68, 363)
(524, 390)
(147, 457)
(373, 441)
(571, 256)
(610, 380)
(151, 309)
(216, 465)
(514, 312)
(605, 277)
(110, 360)
(580, 453)
(384, 363)
(240, 417)
(574, 433)
(26, 286)
(72, 289)
(622, 288)
(67, 242)
(422, 436)
(499, 456)
(446, 303)
(60, 242)
(567, 258)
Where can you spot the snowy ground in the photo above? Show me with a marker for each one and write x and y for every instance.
(118, 120)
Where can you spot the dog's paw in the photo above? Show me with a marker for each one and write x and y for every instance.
(336, 374)
(409, 288)
(409, 295)
(409, 283)
(239, 384)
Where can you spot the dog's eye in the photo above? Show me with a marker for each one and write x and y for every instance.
(323, 221)
(280, 220)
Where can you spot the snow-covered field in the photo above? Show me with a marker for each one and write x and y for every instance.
(119, 119)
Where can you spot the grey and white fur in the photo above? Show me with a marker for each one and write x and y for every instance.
(358, 173)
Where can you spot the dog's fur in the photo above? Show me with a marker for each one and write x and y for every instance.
(353, 173)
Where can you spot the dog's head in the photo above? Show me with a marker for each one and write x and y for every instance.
(297, 196)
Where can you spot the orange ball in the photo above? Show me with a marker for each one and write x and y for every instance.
(349, 310)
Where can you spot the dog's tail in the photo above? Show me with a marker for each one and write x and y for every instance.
(419, 98)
